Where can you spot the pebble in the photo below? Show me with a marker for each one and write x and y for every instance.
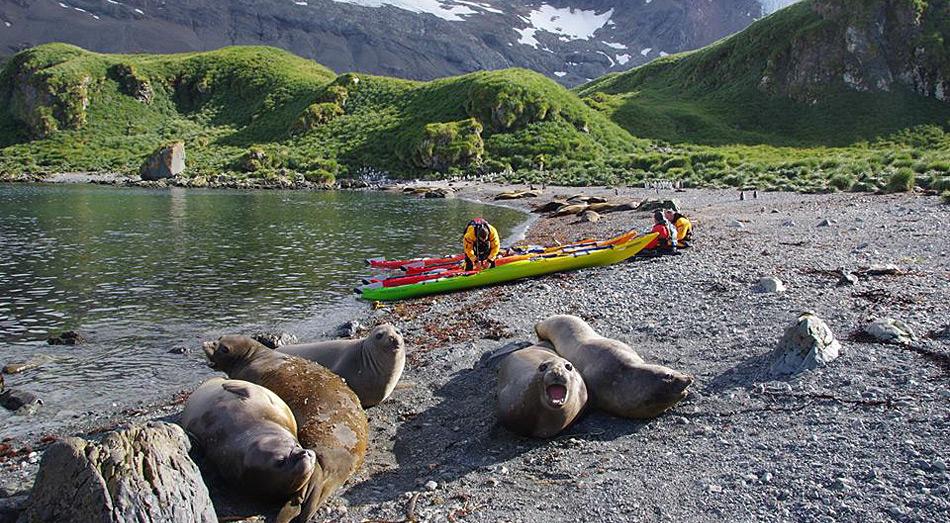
(713, 488)
(431, 485)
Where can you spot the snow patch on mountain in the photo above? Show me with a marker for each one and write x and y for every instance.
(567, 22)
(770, 6)
(447, 10)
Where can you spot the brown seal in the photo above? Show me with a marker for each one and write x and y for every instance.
(618, 380)
(250, 436)
(539, 393)
(370, 366)
(330, 420)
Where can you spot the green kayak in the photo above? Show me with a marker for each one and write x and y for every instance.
(513, 271)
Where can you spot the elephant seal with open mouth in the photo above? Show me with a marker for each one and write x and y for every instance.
(539, 393)
(619, 381)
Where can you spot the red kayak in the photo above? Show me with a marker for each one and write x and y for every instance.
(382, 263)
(396, 281)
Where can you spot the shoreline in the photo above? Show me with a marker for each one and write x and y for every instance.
(740, 446)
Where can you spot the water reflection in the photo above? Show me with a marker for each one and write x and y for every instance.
(142, 271)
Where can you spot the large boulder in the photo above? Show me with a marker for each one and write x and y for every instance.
(16, 399)
(141, 473)
(808, 343)
(167, 161)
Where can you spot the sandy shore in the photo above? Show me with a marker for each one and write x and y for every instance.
(864, 439)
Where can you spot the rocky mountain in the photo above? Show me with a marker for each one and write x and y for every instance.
(569, 40)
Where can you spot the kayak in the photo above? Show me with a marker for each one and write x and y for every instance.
(420, 265)
(383, 263)
(536, 266)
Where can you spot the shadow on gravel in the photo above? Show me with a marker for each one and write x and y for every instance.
(461, 434)
(743, 375)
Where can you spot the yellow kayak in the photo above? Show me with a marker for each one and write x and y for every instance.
(597, 255)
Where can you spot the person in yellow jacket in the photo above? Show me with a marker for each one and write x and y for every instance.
(684, 228)
(480, 244)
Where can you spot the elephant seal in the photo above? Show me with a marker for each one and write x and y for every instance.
(618, 380)
(250, 436)
(370, 366)
(539, 393)
(329, 417)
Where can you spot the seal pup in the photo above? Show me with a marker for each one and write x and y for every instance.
(250, 436)
(539, 393)
(370, 366)
(329, 417)
(617, 378)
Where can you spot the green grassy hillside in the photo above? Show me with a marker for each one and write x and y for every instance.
(253, 111)
(771, 106)
(744, 89)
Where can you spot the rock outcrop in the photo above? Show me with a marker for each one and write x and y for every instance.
(808, 343)
(167, 161)
(875, 45)
(452, 144)
(140, 473)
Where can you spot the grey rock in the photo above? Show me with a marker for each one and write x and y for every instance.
(178, 350)
(15, 399)
(846, 278)
(431, 485)
(11, 507)
(141, 473)
(890, 330)
(808, 343)
(736, 224)
(166, 162)
(770, 284)
(788, 223)
(825, 223)
(348, 329)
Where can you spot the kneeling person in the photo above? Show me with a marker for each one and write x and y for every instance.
(480, 244)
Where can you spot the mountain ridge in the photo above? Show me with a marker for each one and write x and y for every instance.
(570, 41)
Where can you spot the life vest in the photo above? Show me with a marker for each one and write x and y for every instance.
(481, 248)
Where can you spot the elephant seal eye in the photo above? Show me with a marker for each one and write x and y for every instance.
(569, 367)
(223, 349)
(379, 335)
(543, 367)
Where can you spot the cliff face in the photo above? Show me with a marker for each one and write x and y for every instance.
(867, 46)
(569, 40)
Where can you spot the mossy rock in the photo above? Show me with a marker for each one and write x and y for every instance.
(452, 144)
(131, 82)
(315, 116)
(335, 94)
(508, 106)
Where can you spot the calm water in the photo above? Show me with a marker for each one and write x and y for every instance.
(142, 271)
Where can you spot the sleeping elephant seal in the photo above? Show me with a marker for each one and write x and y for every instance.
(370, 366)
(619, 381)
(539, 392)
(250, 436)
(329, 417)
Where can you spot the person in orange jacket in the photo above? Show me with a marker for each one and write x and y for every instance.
(481, 244)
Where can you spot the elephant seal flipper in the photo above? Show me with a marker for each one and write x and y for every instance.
(370, 366)
(539, 393)
(618, 379)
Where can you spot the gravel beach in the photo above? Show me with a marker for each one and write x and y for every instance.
(866, 438)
